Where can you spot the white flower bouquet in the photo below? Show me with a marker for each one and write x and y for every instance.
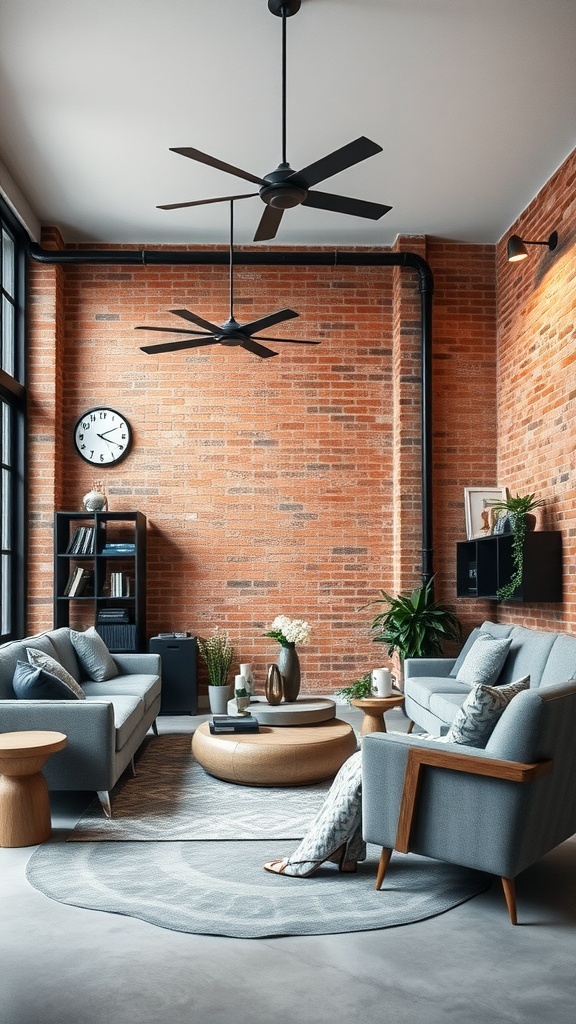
(289, 631)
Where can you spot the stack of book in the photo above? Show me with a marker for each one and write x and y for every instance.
(116, 630)
(119, 585)
(119, 548)
(233, 723)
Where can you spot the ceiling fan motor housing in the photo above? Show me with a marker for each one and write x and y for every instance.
(283, 189)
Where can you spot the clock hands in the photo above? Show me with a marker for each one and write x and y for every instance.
(107, 439)
(108, 431)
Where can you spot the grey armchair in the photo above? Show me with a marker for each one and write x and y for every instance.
(497, 809)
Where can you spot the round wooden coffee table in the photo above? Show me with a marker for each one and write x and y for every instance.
(276, 756)
(374, 709)
(24, 801)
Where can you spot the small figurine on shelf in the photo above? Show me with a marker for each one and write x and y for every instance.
(96, 500)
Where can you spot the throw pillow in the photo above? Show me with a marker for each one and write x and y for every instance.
(32, 683)
(483, 706)
(40, 660)
(484, 660)
(93, 655)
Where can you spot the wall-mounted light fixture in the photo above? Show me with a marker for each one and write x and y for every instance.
(517, 246)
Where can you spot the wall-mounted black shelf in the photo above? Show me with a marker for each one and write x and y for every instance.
(100, 560)
(484, 565)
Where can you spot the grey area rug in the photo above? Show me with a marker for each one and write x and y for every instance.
(200, 868)
(220, 888)
(173, 798)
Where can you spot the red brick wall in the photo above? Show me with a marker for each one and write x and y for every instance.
(293, 484)
(537, 379)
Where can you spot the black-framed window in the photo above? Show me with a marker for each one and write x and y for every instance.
(12, 427)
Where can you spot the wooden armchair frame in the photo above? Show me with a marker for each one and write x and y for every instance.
(421, 757)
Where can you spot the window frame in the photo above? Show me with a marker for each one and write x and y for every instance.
(13, 396)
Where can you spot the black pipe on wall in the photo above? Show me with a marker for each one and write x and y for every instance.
(410, 260)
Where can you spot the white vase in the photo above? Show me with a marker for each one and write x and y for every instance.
(246, 671)
(219, 697)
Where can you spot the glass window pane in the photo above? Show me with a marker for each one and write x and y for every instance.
(8, 274)
(8, 346)
(6, 509)
(5, 446)
(5, 585)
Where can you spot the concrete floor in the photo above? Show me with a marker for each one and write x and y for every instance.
(65, 965)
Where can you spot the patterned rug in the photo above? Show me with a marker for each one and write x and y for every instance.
(173, 798)
(183, 878)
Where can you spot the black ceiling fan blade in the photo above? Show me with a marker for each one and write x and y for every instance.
(194, 319)
(291, 341)
(172, 330)
(269, 224)
(258, 350)
(205, 202)
(268, 321)
(345, 204)
(212, 161)
(176, 346)
(339, 160)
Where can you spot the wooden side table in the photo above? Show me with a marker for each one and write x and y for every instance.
(24, 801)
(374, 709)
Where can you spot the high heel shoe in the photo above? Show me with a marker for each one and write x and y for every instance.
(280, 867)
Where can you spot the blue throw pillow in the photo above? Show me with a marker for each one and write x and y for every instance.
(33, 683)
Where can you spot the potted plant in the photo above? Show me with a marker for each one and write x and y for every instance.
(288, 633)
(415, 625)
(356, 691)
(216, 652)
(517, 507)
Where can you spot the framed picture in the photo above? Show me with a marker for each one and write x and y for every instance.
(478, 504)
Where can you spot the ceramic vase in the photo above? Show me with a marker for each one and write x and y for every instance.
(273, 687)
(289, 665)
(219, 697)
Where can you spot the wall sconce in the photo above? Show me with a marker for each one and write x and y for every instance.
(517, 246)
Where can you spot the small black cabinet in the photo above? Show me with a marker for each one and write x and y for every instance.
(100, 573)
(179, 673)
(484, 565)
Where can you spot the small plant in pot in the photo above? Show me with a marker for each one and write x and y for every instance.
(217, 652)
(415, 625)
(356, 691)
(518, 507)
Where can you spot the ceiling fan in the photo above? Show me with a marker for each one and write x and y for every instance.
(284, 188)
(231, 333)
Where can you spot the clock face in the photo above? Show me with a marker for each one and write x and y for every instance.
(102, 436)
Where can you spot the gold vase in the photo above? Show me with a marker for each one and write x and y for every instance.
(273, 687)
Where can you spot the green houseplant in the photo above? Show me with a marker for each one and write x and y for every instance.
(356, 691)
(518, 507)
(217, 652)
(415, 625)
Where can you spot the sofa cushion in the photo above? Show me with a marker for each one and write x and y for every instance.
(147, 687)
(484, 660)
(475, 720)
(32, 683)
(422, 689)
(528, 655)
(492, 628)
(63, 651)
(561, 661)
(49, 664)
(93, 655)
(445, 705)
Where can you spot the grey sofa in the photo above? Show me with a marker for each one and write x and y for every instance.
(434, 694)
(104, 731)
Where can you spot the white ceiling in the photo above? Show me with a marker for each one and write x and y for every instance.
(473, 102)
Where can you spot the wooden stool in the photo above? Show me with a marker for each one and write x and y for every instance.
(24, 801)
(374, 708)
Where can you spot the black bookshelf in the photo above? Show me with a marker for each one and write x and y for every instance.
(100, 562)
(485, 564)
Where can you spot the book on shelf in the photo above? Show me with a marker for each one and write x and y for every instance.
(80, 582)
(120, 548)
(234, 723)
(82, 542)
(75, 574)
(120, 585)
(113, 615)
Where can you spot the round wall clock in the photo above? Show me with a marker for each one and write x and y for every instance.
(102, 436)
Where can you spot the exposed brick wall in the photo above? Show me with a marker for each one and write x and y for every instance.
(293, 484)
(537, 379)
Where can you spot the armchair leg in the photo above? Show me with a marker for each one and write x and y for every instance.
(154, 728)
(382, 865)
(510, 896)
(104, 798)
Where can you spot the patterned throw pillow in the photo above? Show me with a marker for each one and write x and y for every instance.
(40, 660)
(476, 718)
(36, 684)
(93, 655)
(484, 660)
